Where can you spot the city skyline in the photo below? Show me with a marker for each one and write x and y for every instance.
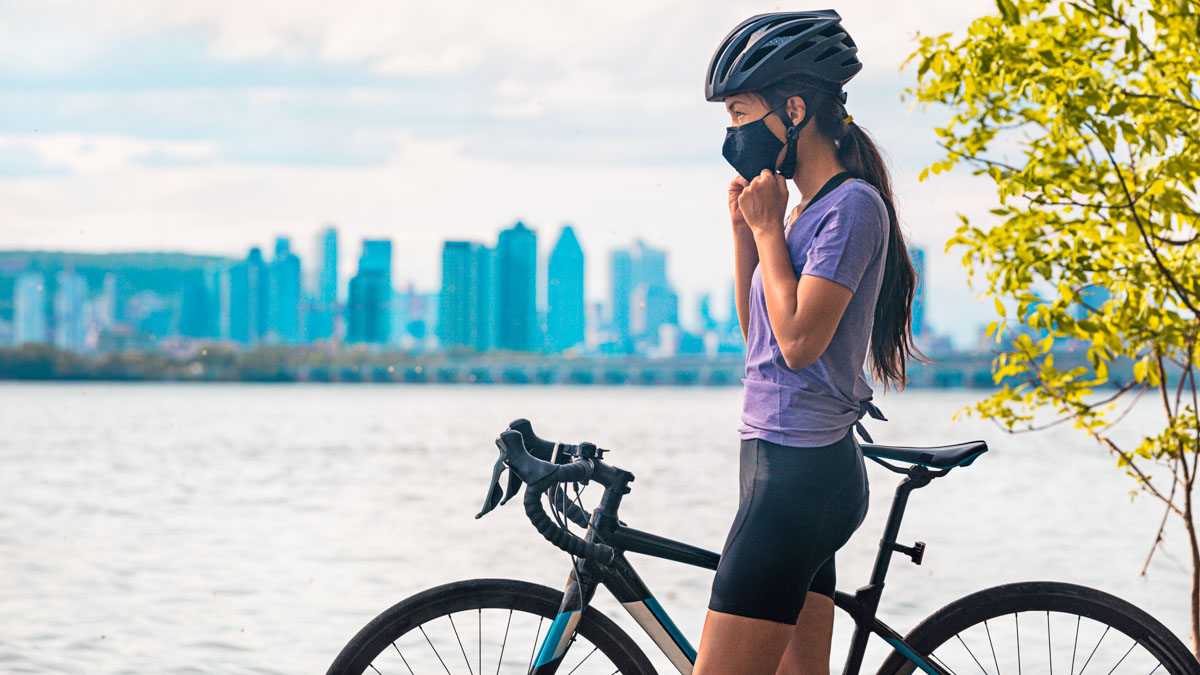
(489, 298)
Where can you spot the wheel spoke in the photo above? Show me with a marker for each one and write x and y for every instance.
(535, 643)
(985, 672)
(993, 646)
(1089, 658)
(410, 670)
(1075, 646)
(503, 641)
(942, 663)
(435, 651)
(1049, 653)
(460, 644)
(585, 659)
(1017, 623)
(1123, 656)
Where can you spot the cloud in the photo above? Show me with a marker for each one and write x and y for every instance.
(210, 125)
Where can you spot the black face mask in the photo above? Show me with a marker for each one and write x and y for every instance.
(752, 147)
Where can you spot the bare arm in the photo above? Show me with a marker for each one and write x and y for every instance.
(745, 260)
(745, 255)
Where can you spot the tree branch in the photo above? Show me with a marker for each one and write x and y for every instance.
(1161, 526)
(1164, 99)
(1137, 220)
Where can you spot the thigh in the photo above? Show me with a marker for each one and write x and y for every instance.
(789, 523)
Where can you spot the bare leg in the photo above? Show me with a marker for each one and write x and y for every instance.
(738, 645)
(808, 651)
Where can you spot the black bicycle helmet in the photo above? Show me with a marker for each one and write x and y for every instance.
(766, 48)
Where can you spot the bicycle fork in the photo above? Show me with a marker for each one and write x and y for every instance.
(625, 585)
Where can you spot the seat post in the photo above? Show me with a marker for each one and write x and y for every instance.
(918, 477)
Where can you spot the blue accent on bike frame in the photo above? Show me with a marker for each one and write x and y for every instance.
(911, 656)
(553, 636)
(965, 462)
(672, 629)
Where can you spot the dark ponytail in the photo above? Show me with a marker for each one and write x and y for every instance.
(891, 334)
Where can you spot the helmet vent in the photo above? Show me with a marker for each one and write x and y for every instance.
(832, 51)
(792, 31)
(830, 31)
(757, 56)
(849, 62)
(736, 49)
(803, 46)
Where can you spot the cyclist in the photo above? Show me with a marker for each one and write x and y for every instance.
(814, 295)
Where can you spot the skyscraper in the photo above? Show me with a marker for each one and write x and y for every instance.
(917, 254)
(285, 294)
(258, 297)
(197, 310)
(325, 295)
(459, 296)
(369, 306)
(485, 297)
(623, 280)
(29, 309)
(70, 326)
(564, 293)
(643, 299)
(704, 310)
(516, 278)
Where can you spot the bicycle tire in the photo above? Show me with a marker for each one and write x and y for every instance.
(403, 618)
(937, 633)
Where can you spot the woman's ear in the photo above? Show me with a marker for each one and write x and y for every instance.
(795, 109)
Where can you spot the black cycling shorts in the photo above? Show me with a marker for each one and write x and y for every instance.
(798, 505)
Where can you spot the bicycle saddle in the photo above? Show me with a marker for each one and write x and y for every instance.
(938, 456)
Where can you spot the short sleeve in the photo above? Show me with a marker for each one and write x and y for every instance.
(851, 235)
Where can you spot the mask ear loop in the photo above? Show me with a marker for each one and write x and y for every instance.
(788, 168)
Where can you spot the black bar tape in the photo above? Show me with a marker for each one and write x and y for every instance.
(536, 511)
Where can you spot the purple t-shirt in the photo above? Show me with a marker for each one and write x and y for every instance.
(816, 405)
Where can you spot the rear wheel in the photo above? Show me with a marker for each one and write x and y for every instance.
(484, 626)
(1043, 626)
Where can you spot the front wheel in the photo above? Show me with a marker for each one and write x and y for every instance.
(1040, 626)
(485, 626)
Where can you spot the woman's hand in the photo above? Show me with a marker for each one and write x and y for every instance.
(763, 202)
(735, 212)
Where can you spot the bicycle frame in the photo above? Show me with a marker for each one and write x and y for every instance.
(627, 587)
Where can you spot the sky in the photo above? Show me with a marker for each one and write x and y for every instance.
(211, 126)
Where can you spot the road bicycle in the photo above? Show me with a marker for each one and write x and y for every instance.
(509, 626)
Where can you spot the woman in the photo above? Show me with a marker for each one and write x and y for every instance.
(814, 295)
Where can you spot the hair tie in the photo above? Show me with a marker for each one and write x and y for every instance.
(849, 119)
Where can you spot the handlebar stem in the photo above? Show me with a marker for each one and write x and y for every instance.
(616, 483)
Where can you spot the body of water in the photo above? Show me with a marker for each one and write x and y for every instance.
(235, 528)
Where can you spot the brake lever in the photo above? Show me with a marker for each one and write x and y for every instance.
(512, 449)
(492, 500)
(514, 486)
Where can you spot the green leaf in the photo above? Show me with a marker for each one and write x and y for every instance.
(1008, 12)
